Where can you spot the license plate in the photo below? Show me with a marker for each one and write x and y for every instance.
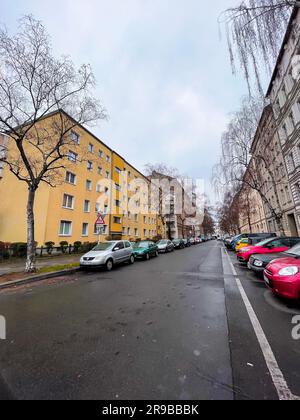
(267, 280)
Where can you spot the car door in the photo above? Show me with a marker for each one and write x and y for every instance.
(152, 248)
(128, 251)
(119, 251)
(278, 245)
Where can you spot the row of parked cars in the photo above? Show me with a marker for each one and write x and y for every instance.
(275, 259)
(112, 253)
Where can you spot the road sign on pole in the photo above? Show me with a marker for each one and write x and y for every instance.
(100, 220)
(100, 223)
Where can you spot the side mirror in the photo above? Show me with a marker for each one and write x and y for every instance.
(116, 249)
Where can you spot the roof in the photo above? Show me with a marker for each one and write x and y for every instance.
(62, 111)
(282, 50)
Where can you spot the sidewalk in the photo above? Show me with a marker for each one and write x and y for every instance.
(18, 265)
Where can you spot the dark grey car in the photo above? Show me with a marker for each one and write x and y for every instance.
(258, 262)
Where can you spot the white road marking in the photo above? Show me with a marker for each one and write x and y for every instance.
(283, 391)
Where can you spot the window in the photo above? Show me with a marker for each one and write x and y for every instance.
(145, 219)
(129, 215)
(107, 159)
(292, 162)
(100, 154)
(70, 178)
(106, 190)
(120, 245)
(100, 170)
(145, 232)
(87, 206)
(107, 175)
(89, 165)
(118, 170)
(128, 231)
(136, 232)
(91, 148)
(88, 185)
(117, 203)
(124, 231)
(118, 187)
(117, 220)
(72, 156)
(136, 218)
(65, 228)
(68, 201)
(75, 137)
(127, 245)
(85, 229)
(98, 188)
(97, 208)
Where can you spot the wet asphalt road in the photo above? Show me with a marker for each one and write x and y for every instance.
(171, 328)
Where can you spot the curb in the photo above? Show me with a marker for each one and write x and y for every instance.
(38, 278)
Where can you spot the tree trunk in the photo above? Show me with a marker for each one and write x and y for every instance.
(31, 258)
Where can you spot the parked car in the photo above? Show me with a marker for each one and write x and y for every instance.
(145, 250)
(242, 244)
(192, 241)
(108, 254)
(253, 238)
(187, 243)
(282, 276)
(179, 243)
(165, 245)
(198, 241)
(258, 262)
(268, 246)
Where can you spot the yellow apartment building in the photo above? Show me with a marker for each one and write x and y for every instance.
(102, 181)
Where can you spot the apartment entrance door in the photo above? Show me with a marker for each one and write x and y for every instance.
(292, 225)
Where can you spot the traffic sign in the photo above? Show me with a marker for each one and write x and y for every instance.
(100, 220)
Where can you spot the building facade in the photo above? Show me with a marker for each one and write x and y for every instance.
(284, 96)
(101, 182)
(252, 217)
(271, 171)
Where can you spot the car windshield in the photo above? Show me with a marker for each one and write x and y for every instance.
(104, 246)
(142, 245)
(295, 251)
(162, 242)
(177, 240)
(265, 242)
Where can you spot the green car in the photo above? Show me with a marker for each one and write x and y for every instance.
(145, 250)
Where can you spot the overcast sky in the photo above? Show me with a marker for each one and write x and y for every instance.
(162, 70)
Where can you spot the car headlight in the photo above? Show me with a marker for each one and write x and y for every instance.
(258, 263)
(289, 271)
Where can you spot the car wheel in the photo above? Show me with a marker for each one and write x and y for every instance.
(132, 259)
(147, 257)
(109, 265)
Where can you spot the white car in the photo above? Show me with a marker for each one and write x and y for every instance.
(108, 254)
(165, 245)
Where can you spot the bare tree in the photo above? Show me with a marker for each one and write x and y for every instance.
(34, 84)
(228, 213)
(239, 168)
(255, 30)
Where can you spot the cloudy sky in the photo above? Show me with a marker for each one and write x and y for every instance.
(162, 70)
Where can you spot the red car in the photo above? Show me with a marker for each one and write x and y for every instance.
(282, 276)
(268, 246)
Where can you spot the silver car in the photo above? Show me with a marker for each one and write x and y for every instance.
(108, 254)
(165, 246)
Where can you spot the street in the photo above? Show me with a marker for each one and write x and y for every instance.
(172, 328)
